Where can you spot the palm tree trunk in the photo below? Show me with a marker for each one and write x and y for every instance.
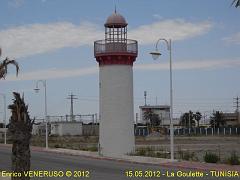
(21, 151)
(20, 129)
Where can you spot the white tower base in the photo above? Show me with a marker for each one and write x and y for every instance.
(116, 136)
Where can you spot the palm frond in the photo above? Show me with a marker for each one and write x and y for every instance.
(236, 3)
(4, 67)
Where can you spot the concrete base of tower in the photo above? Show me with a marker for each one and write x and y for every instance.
(116, 136)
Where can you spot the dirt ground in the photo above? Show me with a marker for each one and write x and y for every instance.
(222, 146)
(196, 146)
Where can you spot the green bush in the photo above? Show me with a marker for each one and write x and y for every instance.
(161, 155)
(187, 155)
(233, 159)
(141, 152)
(93, 148)
(57, 146)
(211, 158)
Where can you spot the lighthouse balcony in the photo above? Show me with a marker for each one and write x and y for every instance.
(105, 47)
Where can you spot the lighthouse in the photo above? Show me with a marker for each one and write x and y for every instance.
(115, 56)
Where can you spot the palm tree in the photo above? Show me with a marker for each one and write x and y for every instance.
(236, 2)
(20, 128)
(4, 65)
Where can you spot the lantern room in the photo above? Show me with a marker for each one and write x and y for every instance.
(115, 48)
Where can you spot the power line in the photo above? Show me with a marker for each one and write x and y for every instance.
(71, 97)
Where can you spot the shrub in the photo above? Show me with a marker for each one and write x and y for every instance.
(187, 155)
(57, 146)
(211, 158)
(93, 148)
(141, 152)
(233, 159)
(161, 155)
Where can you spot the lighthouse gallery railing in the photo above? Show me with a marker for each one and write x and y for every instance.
(108, 47)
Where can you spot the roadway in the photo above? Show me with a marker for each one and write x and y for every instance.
(83, 166)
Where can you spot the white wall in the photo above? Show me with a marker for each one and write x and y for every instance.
(116, 110)
(66, 128)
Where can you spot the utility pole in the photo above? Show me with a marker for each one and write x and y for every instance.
(136, 119)
(71, 97)
(236, 101)
(145, 97)
(4, 118)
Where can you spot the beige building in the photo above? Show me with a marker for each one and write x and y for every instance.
(232, 119)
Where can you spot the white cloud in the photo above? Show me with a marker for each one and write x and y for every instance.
(66, 73)
(190, 65)
(235, 38)
(176, 29)
(52, 74)
(34, 39)
(16, 3)
(157, 16)
(27, 40)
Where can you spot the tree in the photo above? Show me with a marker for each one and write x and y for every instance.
(4, 66)
(151, 118)
(187, 120)
(236, 2)
(197, 117)
(155, 120)
(216, 120)
(20, 128)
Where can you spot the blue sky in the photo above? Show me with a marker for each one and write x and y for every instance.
(53, 40)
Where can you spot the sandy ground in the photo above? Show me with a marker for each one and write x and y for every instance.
(222, 146)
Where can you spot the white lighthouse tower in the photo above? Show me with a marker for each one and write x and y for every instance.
(115, 56)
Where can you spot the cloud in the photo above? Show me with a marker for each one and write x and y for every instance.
(191, 65)
(157, 16)
(16, 3)
(233, 39)
(53, 74)
(34, 39)
(66, 73)
(27, 40)
(176, 29)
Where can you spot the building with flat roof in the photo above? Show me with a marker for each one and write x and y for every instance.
(232, 119)
(163, 111)
(63, 128)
